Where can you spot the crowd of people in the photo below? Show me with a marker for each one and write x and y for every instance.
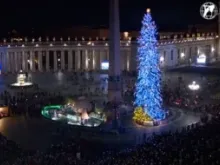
(194, 145)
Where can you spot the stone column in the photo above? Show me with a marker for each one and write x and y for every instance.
(89, 59)
(12, 62)
(187, 55)
(115, 84)
(97, 63)
(3, 69)
(213, 51)
(93, 60)
(86, 60)
(70, 60)
(5, 62)
(128, 55)
(175, 56)
(83, 67)
(55, 61)
(19, 58)
(62, 60)
(47, 61)
(31, 61)
(24, 61)
(102, 58)
(15, 62)
(77, 60)
(40, 65)
(34, 61)
(8, 62)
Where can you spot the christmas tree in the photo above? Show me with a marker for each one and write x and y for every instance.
(147, 92)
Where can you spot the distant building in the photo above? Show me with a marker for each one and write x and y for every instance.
(199, 28)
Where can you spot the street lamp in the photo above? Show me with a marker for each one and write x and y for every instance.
(194, 86)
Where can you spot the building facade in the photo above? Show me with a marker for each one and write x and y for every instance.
(80, 55)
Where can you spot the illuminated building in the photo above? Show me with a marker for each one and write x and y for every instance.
(71, 54)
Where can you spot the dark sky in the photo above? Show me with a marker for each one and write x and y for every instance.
(41, 14)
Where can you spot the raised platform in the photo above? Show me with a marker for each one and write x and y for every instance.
(70, 115)
(25, 86)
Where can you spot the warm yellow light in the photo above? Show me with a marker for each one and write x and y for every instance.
(140, 116)
(148, 10)
(126, 34)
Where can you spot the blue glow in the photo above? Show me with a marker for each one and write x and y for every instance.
(148, 85)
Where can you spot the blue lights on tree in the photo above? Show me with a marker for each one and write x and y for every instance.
(148, 85)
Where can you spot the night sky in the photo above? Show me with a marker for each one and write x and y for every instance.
(23, 15)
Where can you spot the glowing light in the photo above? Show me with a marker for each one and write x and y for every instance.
(182, 55)
(61, 113)
(140, 116)
(201, 59)
(161, 59)
(126, 34)
(85, 116)
(64, 44)
(21, 81)
(213, 49)
(105, 65)
(148, 85)
(193, 86)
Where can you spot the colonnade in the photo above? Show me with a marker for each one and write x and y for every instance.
(173, 56)
(29, 60)
(37, 58)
